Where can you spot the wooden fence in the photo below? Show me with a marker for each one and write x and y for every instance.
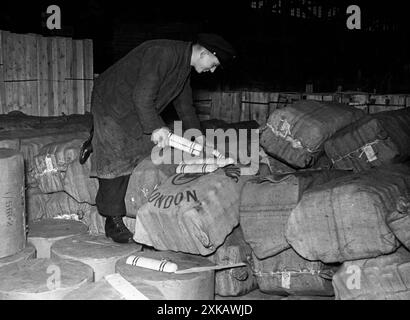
(235, 106)
(45, 76)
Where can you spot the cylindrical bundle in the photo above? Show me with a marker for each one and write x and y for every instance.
(12, 203)
(190, 286)
(185, 145)
(383, 278)
(198, 161)
(196, 168)
(287, 273)
(191, 147)
(149, 263)
(42, 279)
(98, 252)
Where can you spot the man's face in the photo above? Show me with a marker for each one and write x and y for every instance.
(206, 62)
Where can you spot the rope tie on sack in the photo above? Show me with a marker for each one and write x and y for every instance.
(312, 272)
(362, 151)
(286, 134)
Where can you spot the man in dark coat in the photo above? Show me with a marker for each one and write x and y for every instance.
(126, 102)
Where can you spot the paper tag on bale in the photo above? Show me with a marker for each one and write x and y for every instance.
(286, 280)
(49, 164)
(370, 154)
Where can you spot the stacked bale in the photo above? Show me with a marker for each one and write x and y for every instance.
(362, 215)
(383, 278)
(374, 140)
(191, 213)
(236, 281)
(296, 134)
(345, 219)
(301, 227)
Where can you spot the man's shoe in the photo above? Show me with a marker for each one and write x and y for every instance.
(117, 231)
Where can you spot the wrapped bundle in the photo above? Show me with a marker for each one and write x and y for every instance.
(372, 141)
(266, 204)
(383, 278)
(191, 213)
(345, 219)
(296, 134)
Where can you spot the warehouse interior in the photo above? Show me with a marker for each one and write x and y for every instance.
(301, 190)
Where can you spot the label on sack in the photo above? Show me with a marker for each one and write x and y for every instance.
(49, 164)
(370, 154)
(284, 128)
(286, 280)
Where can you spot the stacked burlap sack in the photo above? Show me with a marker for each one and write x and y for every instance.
(356, 224)
(332, 197)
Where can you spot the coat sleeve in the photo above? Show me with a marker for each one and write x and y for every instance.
(151, 73)
(183, 104)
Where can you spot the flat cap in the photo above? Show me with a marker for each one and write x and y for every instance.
(218, 46)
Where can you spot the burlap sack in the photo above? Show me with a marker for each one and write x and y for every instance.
(191, 213)
(266, 204)
(289, 274)
(296, 134)
(372, 141)
(144, 179)
(236, 281)
(345, 219)
(383, 278)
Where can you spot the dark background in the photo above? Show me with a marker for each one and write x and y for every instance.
(277, 49)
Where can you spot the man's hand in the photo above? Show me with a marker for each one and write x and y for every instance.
(160, 137)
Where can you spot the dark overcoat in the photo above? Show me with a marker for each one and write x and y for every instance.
(127, 99)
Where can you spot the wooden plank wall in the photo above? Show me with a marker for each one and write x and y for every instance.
(45, 76)
(235, 106)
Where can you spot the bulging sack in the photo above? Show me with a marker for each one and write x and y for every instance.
(398, 220)
(374, 140)
(144, 179)
(287, 273)
(51, 162)
(191, 213)
(235, 281)
(383, 278)
(296, 134)
(266, 204)
(345, 219)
